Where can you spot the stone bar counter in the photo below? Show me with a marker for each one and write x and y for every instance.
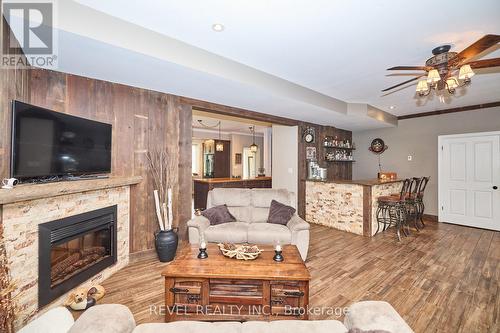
(348, 205)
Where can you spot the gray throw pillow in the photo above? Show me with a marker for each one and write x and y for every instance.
(218, 215)
(280, 213)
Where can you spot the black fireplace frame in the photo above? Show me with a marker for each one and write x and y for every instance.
(66, 229)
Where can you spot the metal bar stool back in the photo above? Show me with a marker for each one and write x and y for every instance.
(391, 210)
(420, 199)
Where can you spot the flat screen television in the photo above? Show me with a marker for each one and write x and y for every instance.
(48, 144)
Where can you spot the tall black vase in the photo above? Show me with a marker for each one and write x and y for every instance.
(166, 244)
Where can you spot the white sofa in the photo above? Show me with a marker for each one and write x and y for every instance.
(116, 318)
(250, 207)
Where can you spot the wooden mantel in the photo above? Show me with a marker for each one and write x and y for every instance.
(25, 192)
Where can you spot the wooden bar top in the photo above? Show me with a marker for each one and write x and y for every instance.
(186, 264)
(364, 182)
(25, 192)
(228, 180)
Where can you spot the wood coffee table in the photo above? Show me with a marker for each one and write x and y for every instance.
(220, 288)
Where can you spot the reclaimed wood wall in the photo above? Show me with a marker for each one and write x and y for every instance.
(335, 170)
(142, 120)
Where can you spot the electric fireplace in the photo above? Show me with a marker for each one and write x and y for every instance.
(74, 249)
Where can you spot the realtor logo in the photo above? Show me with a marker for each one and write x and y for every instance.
(31, 36)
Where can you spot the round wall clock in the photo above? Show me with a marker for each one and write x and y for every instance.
(308, 135)
(378, 146)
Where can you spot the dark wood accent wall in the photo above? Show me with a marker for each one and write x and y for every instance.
(222, 160)
(335, 170)
(237, 112)
(142, 120)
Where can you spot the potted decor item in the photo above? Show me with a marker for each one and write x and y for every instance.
(166, 239)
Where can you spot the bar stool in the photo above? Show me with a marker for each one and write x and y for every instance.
(411, 205)
(391, 211)
(420, 199)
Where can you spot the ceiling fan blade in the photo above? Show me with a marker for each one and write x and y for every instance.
(409, 68)
(477, 47)
(485, 63)
(406, 74)
(402, 83)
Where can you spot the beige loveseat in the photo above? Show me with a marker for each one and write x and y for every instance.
(250, 207)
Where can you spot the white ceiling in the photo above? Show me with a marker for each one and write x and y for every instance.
(335, 52)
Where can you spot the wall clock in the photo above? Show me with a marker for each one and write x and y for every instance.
(378, 146)
(309, 135)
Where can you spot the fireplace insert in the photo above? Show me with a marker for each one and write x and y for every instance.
(74, 249)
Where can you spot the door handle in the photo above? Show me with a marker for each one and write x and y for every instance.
(179, 290)
(294, 293)
(495, 187)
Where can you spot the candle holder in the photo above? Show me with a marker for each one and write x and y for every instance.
(203, 253)
(203, 249)
(278, 256)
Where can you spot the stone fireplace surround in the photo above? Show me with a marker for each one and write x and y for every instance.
(23, 208)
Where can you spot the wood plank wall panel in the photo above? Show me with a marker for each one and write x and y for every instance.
(13, 84)
(335, 170)
(185, 165)
(141, 120)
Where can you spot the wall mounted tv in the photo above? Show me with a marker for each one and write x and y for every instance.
(48, 144)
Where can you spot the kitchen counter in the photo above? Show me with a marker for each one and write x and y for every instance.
(203, 185)
(364, 182)
(348, 205)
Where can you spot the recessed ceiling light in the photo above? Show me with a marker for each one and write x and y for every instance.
(217, 27)
(392, 107)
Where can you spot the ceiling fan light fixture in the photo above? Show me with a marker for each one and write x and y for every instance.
(451, 84)
(433, 77)
(465, 73)
(422, 87)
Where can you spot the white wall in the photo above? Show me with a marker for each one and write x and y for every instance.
(268, 150)
(238, 142)
(285, 154)
(418, 137)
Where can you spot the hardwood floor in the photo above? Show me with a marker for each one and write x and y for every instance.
(444, 279)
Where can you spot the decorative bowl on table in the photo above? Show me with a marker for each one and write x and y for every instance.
(240, 252)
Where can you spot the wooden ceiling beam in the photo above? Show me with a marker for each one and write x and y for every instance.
(452, 110)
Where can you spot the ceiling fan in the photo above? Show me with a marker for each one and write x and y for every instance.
(441, 69)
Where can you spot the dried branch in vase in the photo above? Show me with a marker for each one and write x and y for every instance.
(162, 168)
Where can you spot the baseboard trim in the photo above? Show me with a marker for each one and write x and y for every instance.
(433, 218)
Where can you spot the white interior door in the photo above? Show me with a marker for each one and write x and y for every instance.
(469, 177)
(285, 157)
